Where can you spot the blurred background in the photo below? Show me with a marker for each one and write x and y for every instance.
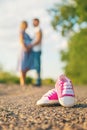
(64, 25)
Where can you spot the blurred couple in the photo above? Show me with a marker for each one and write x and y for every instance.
(30, 51)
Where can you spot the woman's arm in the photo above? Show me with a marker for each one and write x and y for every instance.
(21, 38)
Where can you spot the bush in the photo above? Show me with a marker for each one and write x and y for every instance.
(48, 81)
(8, 78)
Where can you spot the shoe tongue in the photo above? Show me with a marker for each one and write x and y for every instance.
(49, 92)
(63, 78)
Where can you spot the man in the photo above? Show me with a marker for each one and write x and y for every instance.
(36, 45)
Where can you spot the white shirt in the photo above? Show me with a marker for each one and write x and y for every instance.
(37, 47)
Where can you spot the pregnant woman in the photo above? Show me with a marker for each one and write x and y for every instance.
(26, 56)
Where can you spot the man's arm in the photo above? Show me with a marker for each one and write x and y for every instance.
(37, 41)
(38, 38)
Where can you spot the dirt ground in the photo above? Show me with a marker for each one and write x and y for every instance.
(18, 110)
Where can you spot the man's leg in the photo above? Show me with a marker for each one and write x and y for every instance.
(37, 62)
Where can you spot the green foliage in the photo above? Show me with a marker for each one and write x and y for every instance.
(48, 81)
(67, 15)
(76, 58)
(8, 78)
(29, 80)
(71, 16)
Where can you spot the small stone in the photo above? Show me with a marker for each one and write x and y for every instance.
(85, 125)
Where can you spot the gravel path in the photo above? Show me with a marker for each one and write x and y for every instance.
(18, 110)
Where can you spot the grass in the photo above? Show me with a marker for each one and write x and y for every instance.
(8, 78)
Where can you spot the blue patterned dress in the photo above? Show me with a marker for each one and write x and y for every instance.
(26, 60)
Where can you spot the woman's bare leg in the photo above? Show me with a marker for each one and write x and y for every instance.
(22, 78)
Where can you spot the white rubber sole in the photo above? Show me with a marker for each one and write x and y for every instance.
(45, 103)
(67, 101)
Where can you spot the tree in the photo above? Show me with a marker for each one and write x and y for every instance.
(76, 58)
(69, 14)
(72, 17)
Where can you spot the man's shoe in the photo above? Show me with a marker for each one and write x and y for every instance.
(37, 85)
